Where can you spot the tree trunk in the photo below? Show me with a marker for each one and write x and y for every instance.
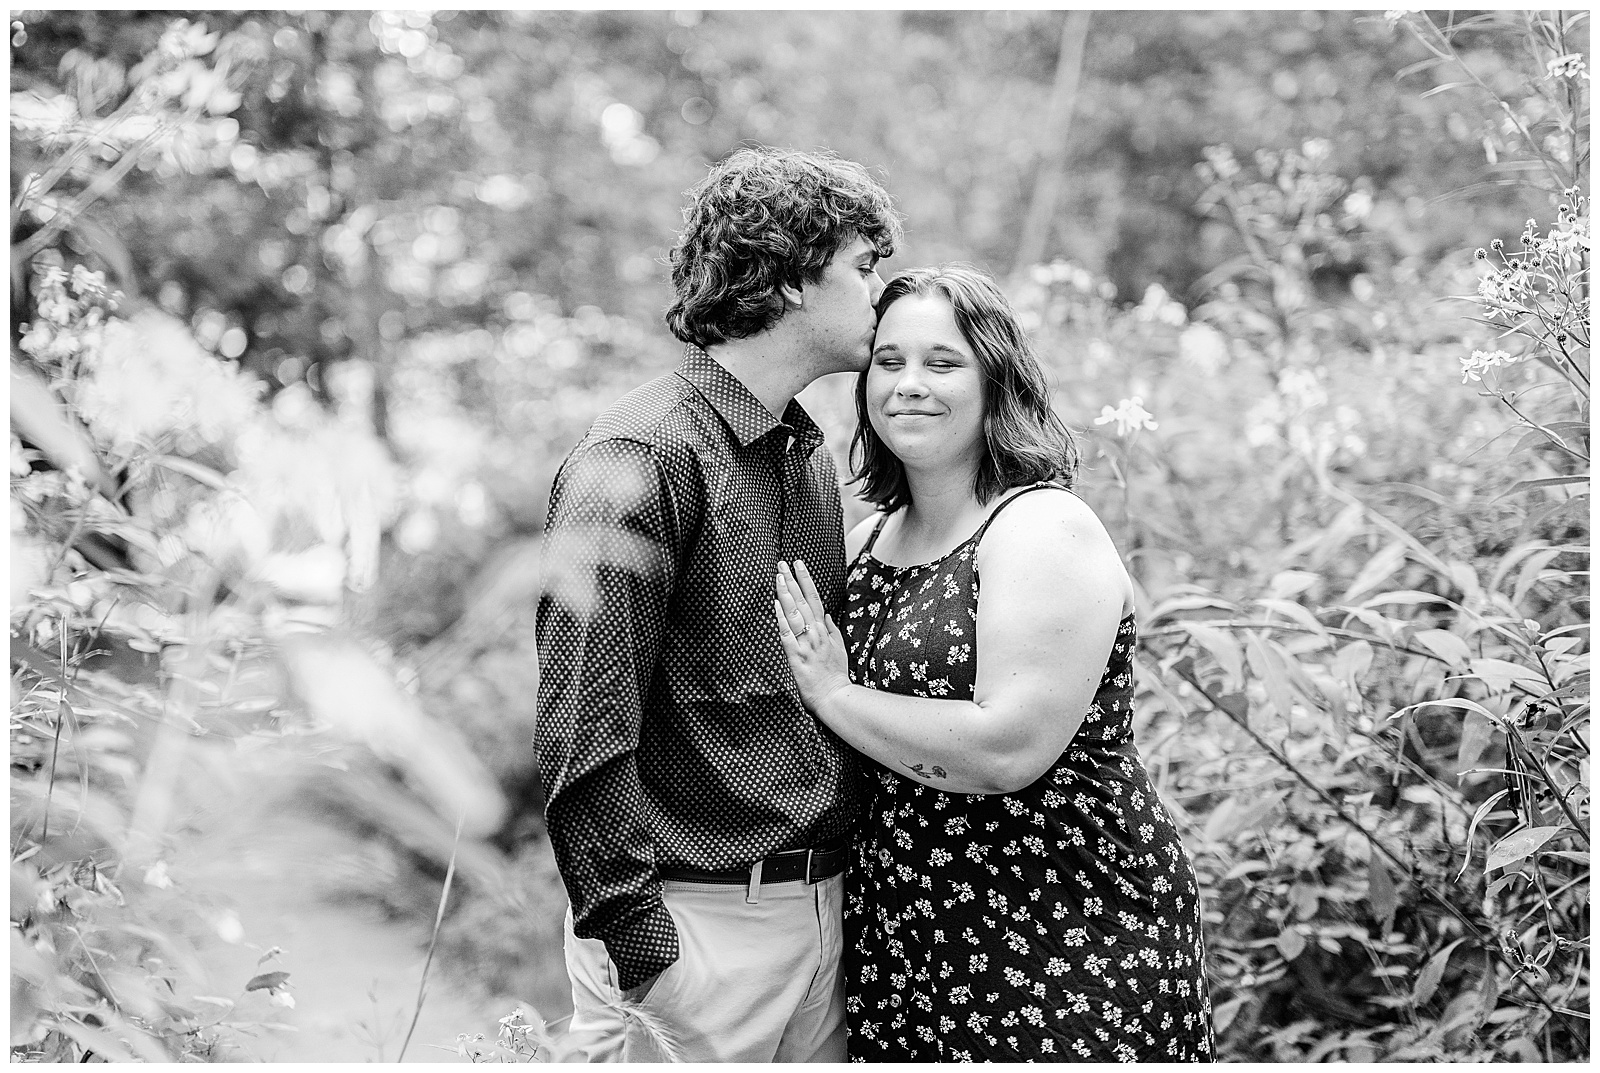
(1052, 162)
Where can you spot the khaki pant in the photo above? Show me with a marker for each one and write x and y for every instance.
(752, 983)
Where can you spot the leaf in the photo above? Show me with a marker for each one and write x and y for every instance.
(1477, 817)
(1291, 944)
(1291, 583)
(1450, 702)
(1446, 645)
(40, 419)
(1381, 893)
(1352, 661)
(1223, 1015)
(1152, 680)
(1297, 612)
(1545, 482)
(193, 470)
(1428, 979)
(1383, 629)
(1232, 818)
(1223, 648)
(1500, 675)
(1476, 733)
(1552, 435)
(1377, 569)
(1407, 597)
(267, 981)
(1266, 663)
(1519, 846)
(1532, 572)
(1189, 603)
(1511, 558)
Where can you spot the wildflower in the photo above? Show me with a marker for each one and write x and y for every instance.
(1130, 416)
(1482, 361)
(1568, 66)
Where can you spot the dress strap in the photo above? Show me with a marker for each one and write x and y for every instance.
(872, 538)
(1004, 503)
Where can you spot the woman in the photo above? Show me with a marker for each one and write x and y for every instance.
(1019, 891)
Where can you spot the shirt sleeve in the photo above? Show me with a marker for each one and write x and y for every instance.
(609, 565)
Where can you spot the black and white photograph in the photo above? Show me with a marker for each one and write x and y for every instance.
(758, 535)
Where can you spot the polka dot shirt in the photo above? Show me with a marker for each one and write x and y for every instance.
(670, 732)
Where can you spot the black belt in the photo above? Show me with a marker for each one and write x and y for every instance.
(810, 865)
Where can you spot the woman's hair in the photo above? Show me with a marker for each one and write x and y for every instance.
(1024, 441)
(762, 218)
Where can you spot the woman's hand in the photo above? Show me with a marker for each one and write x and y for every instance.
(813, 644)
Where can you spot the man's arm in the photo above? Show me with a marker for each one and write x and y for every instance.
(609, 562)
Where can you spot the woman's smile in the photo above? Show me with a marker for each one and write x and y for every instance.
(924, 373)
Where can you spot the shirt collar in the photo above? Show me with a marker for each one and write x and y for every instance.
(739, 409)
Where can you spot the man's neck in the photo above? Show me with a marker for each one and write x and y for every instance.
(766, 366)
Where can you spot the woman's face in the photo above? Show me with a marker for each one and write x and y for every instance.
(924, 387)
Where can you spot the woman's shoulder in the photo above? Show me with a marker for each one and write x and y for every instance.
(1044, 521)
(1045, 506)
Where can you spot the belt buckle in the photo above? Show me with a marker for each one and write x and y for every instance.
(752, 893)
(810, 854)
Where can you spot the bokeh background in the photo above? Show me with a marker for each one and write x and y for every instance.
(306, 309)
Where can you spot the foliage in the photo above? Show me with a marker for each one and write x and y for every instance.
(175, 545)
(1375, 734)
(308, 306)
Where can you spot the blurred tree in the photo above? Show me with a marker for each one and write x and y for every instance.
(456, 224)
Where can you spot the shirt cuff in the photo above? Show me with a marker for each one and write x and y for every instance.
(644, 946)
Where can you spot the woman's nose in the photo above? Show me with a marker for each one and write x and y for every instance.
(910, 383)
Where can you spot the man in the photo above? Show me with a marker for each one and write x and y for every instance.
(700, 817)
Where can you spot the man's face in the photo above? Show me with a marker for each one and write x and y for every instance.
(838, 312)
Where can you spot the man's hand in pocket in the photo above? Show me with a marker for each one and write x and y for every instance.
(636, 994)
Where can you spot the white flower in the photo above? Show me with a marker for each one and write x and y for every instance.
(156, 875)
(229, 930)
(1129, 415)
(1482, 361)
(1568, 66)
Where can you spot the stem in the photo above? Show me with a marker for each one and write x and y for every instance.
(1448, 51)
(61, 721)
(110, 994)
(1551, 436)
(1512, 735)
(1333, 631)
(433, 942)
(1338, 808)
(97, 189)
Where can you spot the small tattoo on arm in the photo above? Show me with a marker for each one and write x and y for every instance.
(934, 772)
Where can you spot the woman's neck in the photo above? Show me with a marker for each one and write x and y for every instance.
(944, 508)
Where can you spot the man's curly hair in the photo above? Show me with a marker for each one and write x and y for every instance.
(762, 218)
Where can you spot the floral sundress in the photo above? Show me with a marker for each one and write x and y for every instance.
(1060, 922)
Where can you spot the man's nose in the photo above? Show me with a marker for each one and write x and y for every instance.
(877, 286)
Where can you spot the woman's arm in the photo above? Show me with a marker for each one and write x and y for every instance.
(1053, 593)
